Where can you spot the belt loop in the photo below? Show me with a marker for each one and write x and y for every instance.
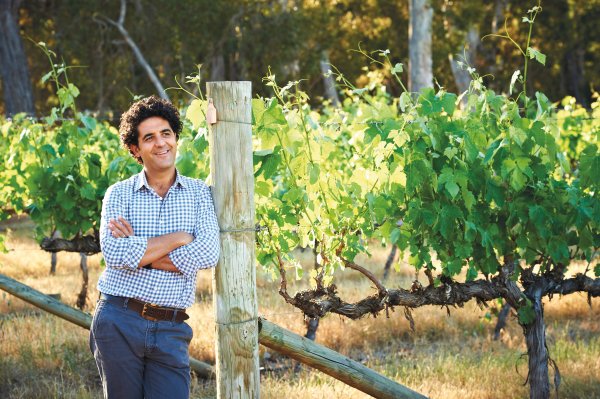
(125, 303)
(174, 316)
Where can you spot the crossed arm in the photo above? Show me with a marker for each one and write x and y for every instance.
(179, 252)
(158, 248)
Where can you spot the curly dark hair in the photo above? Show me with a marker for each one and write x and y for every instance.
(142, 110)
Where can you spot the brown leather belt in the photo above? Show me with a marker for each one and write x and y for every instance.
(147, 310)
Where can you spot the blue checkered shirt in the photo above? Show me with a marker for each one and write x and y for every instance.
(187, 206)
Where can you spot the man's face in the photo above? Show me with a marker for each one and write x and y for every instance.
(157, 145)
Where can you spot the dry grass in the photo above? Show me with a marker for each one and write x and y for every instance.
(446, 357)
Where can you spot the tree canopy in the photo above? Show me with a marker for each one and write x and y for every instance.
(242, 39)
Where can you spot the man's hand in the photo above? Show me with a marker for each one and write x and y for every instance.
(165, 264)
(120, 227)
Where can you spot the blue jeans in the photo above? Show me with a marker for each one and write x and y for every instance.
(138, 358)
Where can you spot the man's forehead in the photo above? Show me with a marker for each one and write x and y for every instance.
(153, 124)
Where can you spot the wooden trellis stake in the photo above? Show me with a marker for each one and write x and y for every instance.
(234, 278)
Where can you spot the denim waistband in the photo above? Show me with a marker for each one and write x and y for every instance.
(123, 301)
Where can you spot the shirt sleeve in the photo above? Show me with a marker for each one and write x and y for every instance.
(203, 251)
(119, 253)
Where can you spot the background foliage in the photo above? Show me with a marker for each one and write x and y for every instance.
(240, 39)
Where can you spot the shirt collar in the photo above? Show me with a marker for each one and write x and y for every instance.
(143, 182)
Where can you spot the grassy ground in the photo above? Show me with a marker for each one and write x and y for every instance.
(453, 356)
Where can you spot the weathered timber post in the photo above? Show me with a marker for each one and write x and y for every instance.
(234, 278)
(330, 362)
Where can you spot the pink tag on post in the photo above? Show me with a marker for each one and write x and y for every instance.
(211, 113)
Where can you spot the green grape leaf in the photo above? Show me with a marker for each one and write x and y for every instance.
(454, 267)
(471, 273)
(262, 188)
(450, 152)
(195, 112)
(47, 148)
(313, 172)
(517, 180)
(452, 188)
(88, 192)
(429, 102)
(468, 198)
(518, 135)
(395, 236)
(258, 109)
(490, 265)
(273, 115)
(448, 220)
(449, 103)
(526, 314)
(539, 57)
(89, 122)
(558, 250)
(589, 166)
(398, 68)
(405, 101)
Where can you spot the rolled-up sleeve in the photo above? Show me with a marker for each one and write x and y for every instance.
(119, 253)
(203, 251)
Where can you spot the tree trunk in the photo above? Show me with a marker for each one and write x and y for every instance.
(573, 77)
(389, 261)
(120, 25)
(217, 67)
(419, 45)
(498, 19)
(494, 62)
(462, 77)
(328, 81)
(14, 71)
(81, 299)
(535, 338)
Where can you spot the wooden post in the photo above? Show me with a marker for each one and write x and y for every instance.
(82, 319)
(330, 362)
(234, 278)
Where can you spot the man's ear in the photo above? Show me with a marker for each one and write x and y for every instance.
(135, 150)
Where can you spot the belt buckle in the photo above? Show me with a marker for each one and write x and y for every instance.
(148, 310)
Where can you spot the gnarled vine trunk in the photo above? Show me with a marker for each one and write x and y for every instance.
(389, 262)
(82, 297)
(501, 323)
(537, 351)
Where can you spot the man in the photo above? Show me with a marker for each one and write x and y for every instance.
(158, 229)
